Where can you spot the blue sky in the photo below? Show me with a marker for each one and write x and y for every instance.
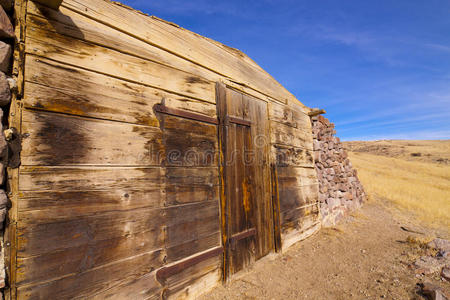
(381, 69)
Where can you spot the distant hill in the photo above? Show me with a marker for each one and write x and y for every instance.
(424, 151)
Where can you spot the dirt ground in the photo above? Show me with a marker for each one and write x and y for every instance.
(366, 257)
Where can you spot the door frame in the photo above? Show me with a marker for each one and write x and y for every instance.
(224, 119)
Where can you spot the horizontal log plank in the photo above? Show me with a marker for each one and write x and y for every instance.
(183, 194)
(145, 287)
(294, 235)
(55, 139)
(183, 284)
(288, 156)
(288, 116)
(165, 272)
(289, 136)
(81, 203)
(54, 265)
(293, 197)
(194, 230)
(189, 248)
(56, 206)
(94, 281)
(299, 218)
(191, 105)
(297, 176)
(89, 178)
(192, 176)
(87, 230)
(194, 287)
(195, 212)
(62, 206)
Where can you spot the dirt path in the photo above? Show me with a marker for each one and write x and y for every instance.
(366, 257)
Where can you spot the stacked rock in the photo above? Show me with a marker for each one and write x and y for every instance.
(7, 85)
(339, 188)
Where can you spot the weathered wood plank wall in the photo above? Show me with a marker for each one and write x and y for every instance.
(103, 202)
(292, 152)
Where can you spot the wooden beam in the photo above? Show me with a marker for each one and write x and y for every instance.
(50, 3)
(315, 112)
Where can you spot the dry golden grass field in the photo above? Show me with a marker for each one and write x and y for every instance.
(413, 175)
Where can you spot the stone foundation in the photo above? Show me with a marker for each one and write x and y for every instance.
(7, 89)
(340, 191)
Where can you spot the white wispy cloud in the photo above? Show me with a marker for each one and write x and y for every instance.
(438, 47)
(350, 38)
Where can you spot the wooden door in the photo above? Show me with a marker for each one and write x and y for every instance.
(247, 222)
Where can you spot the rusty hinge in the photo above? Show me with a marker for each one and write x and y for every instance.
(238, 121)
(240, 236)
(185, 114)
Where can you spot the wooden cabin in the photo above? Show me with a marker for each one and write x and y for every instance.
(155, 162)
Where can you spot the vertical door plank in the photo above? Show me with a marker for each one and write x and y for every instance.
(249, 188)
(230, 188)
(246, 198)
(256, 112)
(223, 134)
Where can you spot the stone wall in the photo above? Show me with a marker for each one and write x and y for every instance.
(340, 191)
(7, 88)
